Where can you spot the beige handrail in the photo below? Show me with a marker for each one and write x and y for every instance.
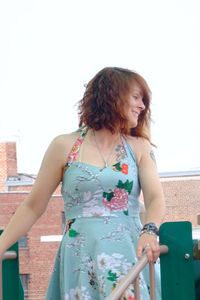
(132, 278)
(7, 255)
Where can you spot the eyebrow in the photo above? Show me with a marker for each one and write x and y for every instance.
(140, 92)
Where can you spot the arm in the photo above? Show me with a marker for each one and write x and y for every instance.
(32, 208)
(153, 198)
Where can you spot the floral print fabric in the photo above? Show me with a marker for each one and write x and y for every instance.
(100, 238)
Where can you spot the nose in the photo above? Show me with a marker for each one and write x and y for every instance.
(141, 104)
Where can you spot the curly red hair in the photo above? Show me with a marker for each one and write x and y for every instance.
(104, 102)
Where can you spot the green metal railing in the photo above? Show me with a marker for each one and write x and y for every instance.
(177, 267)
(10, 283)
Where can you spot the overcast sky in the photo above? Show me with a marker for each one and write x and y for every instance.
(50, 49)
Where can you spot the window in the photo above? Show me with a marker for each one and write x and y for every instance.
(23, 242)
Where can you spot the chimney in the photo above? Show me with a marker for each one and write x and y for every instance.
(8, 163)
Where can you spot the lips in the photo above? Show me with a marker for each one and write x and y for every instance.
(136, 113)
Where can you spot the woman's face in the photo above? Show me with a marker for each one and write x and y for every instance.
(135, 105)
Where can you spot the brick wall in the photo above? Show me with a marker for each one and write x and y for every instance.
(183, 198)
(41, 255)
(36, 259)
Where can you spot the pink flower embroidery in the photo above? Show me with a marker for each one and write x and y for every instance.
(74, 152)
(119, 200)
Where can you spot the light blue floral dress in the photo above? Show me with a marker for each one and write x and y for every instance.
(100, 239)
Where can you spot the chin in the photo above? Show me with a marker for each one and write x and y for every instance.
(133, 124)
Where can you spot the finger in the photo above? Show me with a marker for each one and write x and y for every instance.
(155, 256)
(139, 251)
(149, 254)
(156, 251)
(155, 247)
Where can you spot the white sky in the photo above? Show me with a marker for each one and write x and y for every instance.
(50, 49)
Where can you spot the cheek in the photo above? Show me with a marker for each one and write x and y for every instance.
(131, 102)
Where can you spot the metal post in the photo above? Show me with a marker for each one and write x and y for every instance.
(152, 281)
(1, 290)
(7, 255)
(137, 289)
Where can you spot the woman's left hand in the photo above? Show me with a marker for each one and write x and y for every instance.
(150, 245)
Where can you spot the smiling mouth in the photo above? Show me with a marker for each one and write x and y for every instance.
(136, 113)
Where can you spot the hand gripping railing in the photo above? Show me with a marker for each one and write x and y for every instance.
(6, 255)
(133, 277)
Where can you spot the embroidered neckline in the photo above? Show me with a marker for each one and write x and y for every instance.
(117, 166)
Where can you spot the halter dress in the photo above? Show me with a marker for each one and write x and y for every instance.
(99, 242)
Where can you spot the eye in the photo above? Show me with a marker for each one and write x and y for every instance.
(135, 96)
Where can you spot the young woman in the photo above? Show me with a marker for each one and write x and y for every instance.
(103, 167)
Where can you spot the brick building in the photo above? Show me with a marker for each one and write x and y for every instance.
(38, 247)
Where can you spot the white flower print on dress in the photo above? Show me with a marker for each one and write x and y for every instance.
(101, 283)
(103, 261)
(91, 206)
(116, 262)
(76, 244)
(115, 267)
(96, 211)
(78, 294)
(118, 234)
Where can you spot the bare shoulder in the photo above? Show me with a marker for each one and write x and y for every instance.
(61, 145)
(140, 146)
(65, 140)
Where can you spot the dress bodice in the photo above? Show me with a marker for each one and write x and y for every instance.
(90, 191)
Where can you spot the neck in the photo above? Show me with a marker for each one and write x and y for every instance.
(105, 142)
(105, 137)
